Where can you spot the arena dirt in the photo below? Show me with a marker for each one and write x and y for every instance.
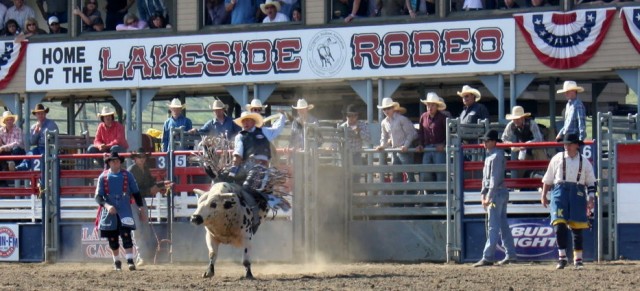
(619, 275)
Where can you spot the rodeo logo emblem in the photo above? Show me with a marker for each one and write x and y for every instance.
(326, 53)
(8, 242)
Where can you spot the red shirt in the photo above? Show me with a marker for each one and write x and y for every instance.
(111, 136)
(432, 131)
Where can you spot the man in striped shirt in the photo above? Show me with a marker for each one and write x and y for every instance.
(10, 136)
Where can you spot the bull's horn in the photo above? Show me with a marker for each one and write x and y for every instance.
(199, 192)
(227, 194)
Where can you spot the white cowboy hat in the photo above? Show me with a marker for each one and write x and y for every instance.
(267, 3)
(517, 112)
(106, 110)
(400, 110)
(302, 104)
(7, 114)
(388, 102)
(570, 86)
(217, 104)
(432, 97)
(175, 103)
(255, 116)
(466, 89)
(256, 103)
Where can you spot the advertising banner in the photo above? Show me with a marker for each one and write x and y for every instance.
(9, 242)
(94, 247)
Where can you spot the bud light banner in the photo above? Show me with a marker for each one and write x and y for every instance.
(9, 242)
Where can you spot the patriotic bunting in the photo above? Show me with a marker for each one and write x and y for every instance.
(10, 60)
(631, 24)
(565, 40)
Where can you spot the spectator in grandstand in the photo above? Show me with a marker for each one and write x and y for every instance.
(116, 11)
(271, 9)
(20, 12)
(54, 26)
(143, 235)
(3, 11)
(472, 111)
(242, 11)
(432, 135)
(109, 135)
(37, 134)
(397, 133)
(149, 8)
(304, 119)
(575, 119)
(357, 134)
(509, 4)
(177, 119)
(115, 190)
(10, 138)
(57, 8)
(472, 5)
(216, 13)
(287, 7)
(91, 18)
(158, 21)
(31, 28)
(296, 15)
(11, 28)
(131, 22)
(521, 129)
(403, 7)
(220, 125)
(495, 197)
(569, 177)
(351, 9)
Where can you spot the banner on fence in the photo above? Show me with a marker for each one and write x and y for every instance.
(9, 242)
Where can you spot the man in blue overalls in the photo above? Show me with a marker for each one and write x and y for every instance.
(571, 180)
(116, 187)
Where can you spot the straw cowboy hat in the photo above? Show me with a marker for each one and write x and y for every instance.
(388, 102)
(517, 112)
(469, 90)
(434, 99)
(302, 104)
(175, 103)
(113, 156)
(140, 153)
(7, 114)
(266, 4)
(401, 110)
(570, 86)
(106, 110)
(39, 108)
(256, 103)
(248, 115)
(217, 104)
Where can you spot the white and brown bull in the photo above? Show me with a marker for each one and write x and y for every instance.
(226, 214)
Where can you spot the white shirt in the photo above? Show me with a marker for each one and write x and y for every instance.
(472, 4)
(554, 171)
(279, 18)
(269, 132)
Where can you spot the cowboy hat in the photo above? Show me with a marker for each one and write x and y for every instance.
(351, 109)
(572, 138)
(7, 114)
(140, 153)
(401, 110)
(433, 98)
(39, 108)
(113, 156)
(302, 104)
(570, 86)
(388, 102)
(255, 116)
(175, 103)
(466, 89)
(106, 110)
(256, 103)
(267, 3)
(217, 104)
(491, 135)
(517, 112)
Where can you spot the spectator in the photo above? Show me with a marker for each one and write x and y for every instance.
(510, 4)
(395, 7)
(221, 124)
(116, 11)
(148, 8)
(37, 135)
(11, 28)
(110, 135)
(355, 8)
(174, 121)
(574, 113)
(256, 106)
(31, 28)
(216, 13)
(271, 9)
(158, 21)
(3, 11)
(57, 8)
(357, 135)
(91, 17)
(472, 5)
(296, 15)
(432, 135)
(20, 12)
(10, 138)
(522, 130)
(472, 111)
(131, 22)
(54, 26)
(242, 11)
(287, 7)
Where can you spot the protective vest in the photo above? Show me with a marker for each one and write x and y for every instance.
(524, 134)
(255, 143)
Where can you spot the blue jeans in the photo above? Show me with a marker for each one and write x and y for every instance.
(498, 227)
(402, 159)
(433, 157)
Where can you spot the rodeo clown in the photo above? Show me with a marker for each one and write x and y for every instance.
(115, 189)
(572, 183)
(254, 142)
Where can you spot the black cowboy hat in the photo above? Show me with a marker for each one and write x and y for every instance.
(140, 153)
(491, 135)
(40, 108)
(572, 138)
(113, 156)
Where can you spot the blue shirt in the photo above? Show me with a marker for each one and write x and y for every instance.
(214, 128)
(269, 132)
(575, 119)
(244, 11)
(493, 173)
(173, 123)
(39, 138)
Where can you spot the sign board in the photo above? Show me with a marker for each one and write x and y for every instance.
(9, 242)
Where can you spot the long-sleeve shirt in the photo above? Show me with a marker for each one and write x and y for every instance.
(10, 139)
(510, 134)
(214, 128)
(297, 132)
(357, 135)
(574, 119)
(143, 178)
(473, 113)
(39, 138)
(554, 171)
(111, 136)
(493, 173)
(432, 130)
(269, 132)
(173, 123)
(397, 131)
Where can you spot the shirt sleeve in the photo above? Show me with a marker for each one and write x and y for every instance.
(119, 138)
(206, 128)
(590, 177)
(549, 176)
(384, 133)
(133, 185)
(507, 134)
(165, 135)
(581, 117)
(535, 129)
(272, 132)
(99, 139)
(239, 147)
(409, 130)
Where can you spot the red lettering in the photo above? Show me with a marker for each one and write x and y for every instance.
(255, 49)
(454, 53)
(365, 45)
(285, 61)
(189, 66)
(162, 60)
(487, 45)
(426, 48)
(237, 58)
(395, 52)
(106, 73)
(218, 58)
(138, 60)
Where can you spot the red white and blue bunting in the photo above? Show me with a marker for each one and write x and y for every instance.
(565, 40)
(10, 60)
(631, 23)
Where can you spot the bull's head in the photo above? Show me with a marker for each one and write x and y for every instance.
(210, 203)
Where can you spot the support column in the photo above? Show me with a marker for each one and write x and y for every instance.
(495, 85)
(123, 98)
(631, 77)
(552, 107)
(518, 83)
(240, 93)
(596, 90)
(364, 90)
(143, 98)
(12, 102)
